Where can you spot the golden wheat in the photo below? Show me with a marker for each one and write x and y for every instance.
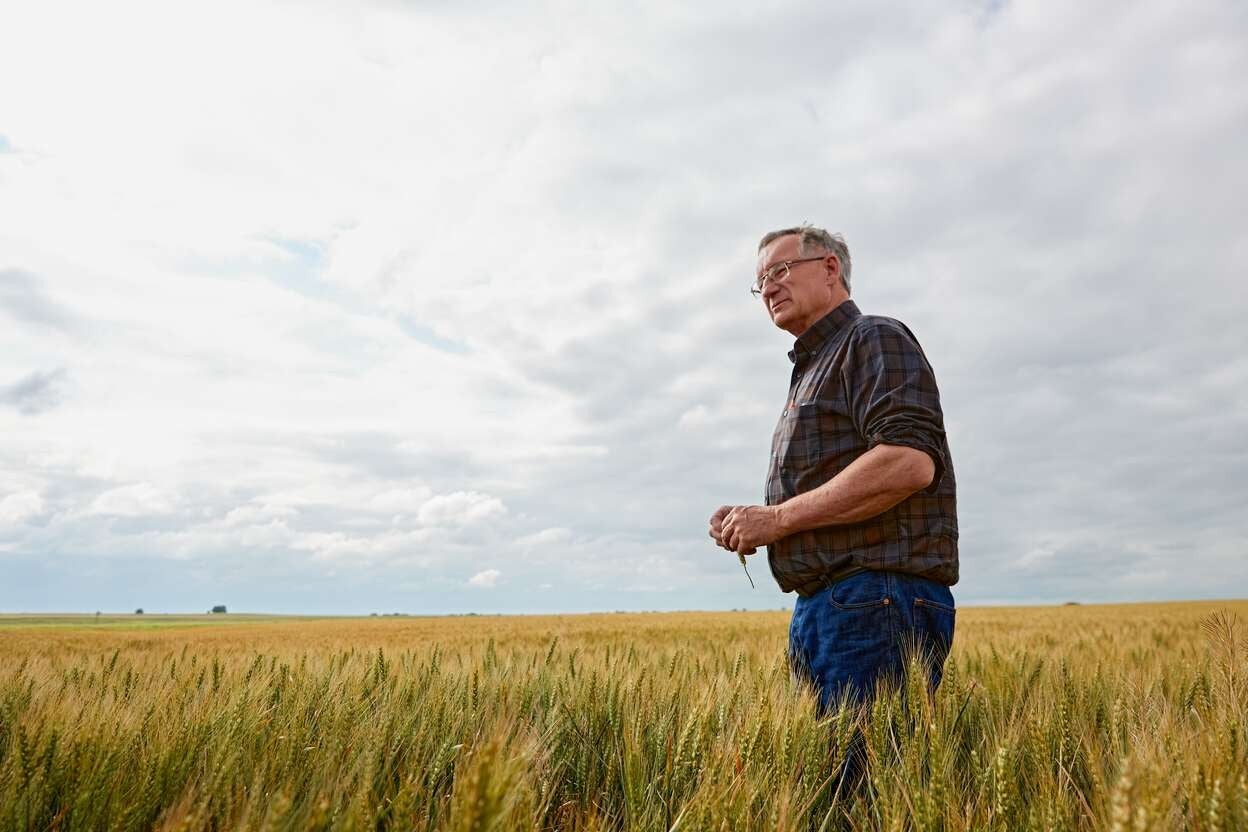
(1127, 717)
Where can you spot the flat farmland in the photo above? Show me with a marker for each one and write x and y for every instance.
(1125, 717)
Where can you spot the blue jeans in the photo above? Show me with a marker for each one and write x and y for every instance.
(846, 636)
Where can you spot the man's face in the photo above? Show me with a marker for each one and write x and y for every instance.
(806, 295)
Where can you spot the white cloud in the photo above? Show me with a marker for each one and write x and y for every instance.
(696, 417)
(269, 535)
(462, 508)
(137, 500)
(264, 513)
(15, 508)
(546, 537)
(400, 500)
(486, 579)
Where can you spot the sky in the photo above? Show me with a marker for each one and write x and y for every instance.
(441, 308)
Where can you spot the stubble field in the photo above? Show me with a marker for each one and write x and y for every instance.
(1124, 717)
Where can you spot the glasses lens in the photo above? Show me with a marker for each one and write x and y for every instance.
(777, 272)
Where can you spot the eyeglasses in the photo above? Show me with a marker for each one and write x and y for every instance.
(779, 271)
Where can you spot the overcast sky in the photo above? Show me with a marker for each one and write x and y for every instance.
(439, 308)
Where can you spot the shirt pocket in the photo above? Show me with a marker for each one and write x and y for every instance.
(798, 448)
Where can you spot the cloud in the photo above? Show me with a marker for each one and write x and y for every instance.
(524, 332)
(137, 500)
(24, 298)
(21, 506)
(400, 500)
(36, 392)
(545, 537)
(259, 514)
(485, 579)
(460, 509)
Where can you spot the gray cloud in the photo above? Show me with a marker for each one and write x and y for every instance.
(35, 393)
(23, 296)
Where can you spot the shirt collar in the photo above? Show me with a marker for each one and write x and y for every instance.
(822, 330)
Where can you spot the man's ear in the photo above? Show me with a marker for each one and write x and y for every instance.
(834, 271)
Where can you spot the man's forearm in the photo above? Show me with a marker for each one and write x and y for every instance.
(873, 483)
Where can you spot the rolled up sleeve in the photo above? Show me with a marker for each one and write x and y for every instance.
(892, 392)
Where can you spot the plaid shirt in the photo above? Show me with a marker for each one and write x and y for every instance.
(861, 381)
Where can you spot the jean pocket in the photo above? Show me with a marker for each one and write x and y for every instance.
(925, 602)
(864, 591)
(934, 623)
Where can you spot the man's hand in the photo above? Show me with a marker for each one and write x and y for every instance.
(744, 528)
(717, 529)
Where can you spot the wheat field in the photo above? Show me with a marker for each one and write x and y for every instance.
(1126, 717)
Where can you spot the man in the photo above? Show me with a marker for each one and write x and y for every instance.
(860, 517)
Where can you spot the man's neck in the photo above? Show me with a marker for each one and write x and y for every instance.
(799, 328)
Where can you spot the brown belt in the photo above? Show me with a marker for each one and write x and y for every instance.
(824, 581)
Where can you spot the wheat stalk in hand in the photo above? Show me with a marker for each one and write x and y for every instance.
(741, 558)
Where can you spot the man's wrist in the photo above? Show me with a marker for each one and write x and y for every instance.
(782, 515)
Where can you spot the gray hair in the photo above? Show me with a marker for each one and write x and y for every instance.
(814, 240)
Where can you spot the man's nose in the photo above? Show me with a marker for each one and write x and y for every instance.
(769, 289)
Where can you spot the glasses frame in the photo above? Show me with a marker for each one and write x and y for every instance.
(773, 271)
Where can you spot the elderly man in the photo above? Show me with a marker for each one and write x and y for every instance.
(860, 517)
